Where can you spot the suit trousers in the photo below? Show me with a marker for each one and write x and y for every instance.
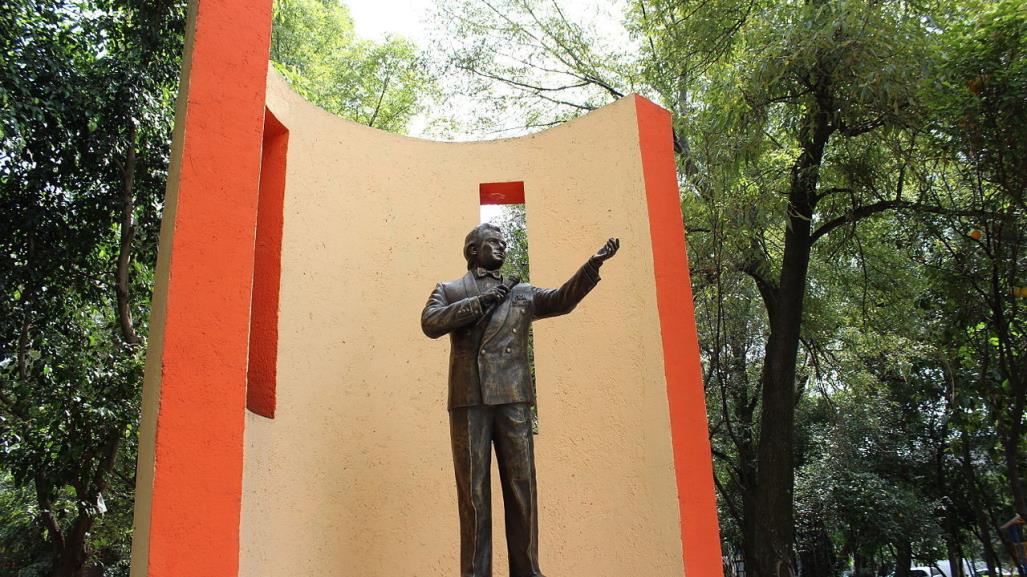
(473, 431)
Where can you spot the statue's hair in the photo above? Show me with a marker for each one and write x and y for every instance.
(474, 238)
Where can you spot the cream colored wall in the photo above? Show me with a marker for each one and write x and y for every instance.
(152, 375)
(354, 474)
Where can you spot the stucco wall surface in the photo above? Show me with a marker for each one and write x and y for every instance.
(189, 473)
(353, 476)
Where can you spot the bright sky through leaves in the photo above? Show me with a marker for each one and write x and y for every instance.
(374, 19)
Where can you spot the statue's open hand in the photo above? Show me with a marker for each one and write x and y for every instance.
(607, 251)
(495, 295)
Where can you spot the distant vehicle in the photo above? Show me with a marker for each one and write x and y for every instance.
(922, 572)
(943, 569)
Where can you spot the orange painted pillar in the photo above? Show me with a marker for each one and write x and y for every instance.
(700, 535)
(190, 482)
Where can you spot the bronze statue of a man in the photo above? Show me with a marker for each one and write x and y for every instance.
(490, 392)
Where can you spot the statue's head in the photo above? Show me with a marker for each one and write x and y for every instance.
(485, 247)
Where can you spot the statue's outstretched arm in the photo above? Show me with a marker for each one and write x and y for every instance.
(555, 302)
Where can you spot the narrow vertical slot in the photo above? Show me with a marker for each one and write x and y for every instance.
(267, 271)
(502, 204)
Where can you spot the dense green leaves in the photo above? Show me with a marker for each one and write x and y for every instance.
(82, 169)
(381, 85)
(980, 95)
(87, 91)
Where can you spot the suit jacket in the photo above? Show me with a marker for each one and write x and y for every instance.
(488, 361)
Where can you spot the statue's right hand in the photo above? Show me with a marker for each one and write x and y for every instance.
(495, 295)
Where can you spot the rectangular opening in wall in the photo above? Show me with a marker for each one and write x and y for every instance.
(502, 204)
(267, 271)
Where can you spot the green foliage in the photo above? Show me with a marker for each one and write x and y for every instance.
(85, 142)
(513, 223)
(87, 94)
(874, 137)
(869, 470)
(21, 537)
(528, 63)
(314, 46)
(87, 90)
(982, 95)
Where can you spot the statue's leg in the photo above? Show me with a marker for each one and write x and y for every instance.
(471, 434)
(515, 454)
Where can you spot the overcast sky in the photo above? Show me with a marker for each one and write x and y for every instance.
(376, 18)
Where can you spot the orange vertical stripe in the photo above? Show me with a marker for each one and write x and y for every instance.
(700, 535)
(267, 271)
(197, 487)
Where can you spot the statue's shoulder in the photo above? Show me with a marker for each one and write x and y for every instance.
(457, 286)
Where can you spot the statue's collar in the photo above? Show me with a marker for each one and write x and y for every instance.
(480, 272)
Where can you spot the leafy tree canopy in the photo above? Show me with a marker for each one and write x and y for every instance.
(314, 46)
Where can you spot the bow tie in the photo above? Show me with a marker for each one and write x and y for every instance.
(481, 272)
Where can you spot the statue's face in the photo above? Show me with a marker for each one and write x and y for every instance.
(492, 251)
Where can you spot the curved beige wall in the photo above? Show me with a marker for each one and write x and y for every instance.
(354, 476)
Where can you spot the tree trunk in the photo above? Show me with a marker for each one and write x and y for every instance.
(72, 558)
(980, 505)
(775, 474)
(816, 553)
(750, 526)
(1012, 362)
(903, 558)
(987, 546)
(1010, 445)
(71, 552)
(953, 549)
(747, 482)
(775, 459)
(858, 565)
(46, 513)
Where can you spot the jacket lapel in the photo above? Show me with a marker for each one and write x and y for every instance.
(470, 287)
(498, 319)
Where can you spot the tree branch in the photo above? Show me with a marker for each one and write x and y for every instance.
(732, 508)
(46, 512)
(127, 236)
(130, 482)
(768, 290)
(861, 212)
(23, 349)
(726, 459)
(381, 97)
(536, 90)
(588, 70)
(861, 128)
(834, 190)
